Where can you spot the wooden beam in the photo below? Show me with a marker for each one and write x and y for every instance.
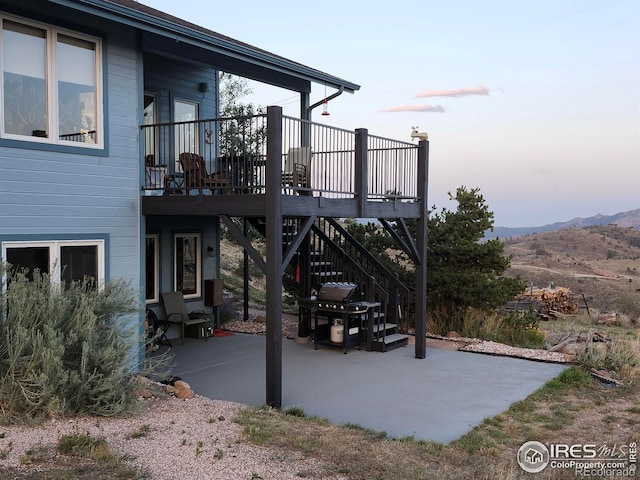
(244, 241)
(406, 243)
(297, 241)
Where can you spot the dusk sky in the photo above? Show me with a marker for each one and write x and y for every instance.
(535, 102)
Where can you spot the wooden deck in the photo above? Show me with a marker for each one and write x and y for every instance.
(291, 206)
(255, 172)
(346, 174)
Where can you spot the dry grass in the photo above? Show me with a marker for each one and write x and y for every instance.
(573, 408)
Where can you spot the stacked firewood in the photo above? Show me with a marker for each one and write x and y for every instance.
(551, 302)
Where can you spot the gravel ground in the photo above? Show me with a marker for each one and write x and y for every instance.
(170, 448)
(197, 438)
(493, 348)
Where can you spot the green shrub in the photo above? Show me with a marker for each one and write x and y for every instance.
(71, 350)
(510, 328)
(519, 330)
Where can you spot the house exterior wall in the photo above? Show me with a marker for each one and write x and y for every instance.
(79, 193)
(166, 228)
(169, 79)
(48, 193)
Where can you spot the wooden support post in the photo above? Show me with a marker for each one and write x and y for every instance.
(273, 194)
(360, 184)
(421, 247)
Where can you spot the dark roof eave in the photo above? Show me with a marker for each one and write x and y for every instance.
(146, 18)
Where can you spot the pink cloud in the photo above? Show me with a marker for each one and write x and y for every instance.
(415, 108)
(456, 92)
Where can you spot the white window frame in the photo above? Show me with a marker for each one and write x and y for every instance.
(52, 87)
(151, 141)
(54, 255)
(198, 261)
(156, 268)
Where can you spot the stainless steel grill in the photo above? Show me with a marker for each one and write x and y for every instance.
(336, 297)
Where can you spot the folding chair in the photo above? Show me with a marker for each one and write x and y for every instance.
(157, 328)
(176, 310)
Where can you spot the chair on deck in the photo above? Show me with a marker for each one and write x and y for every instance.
(195, 173)
(176, 310)
(297, 167)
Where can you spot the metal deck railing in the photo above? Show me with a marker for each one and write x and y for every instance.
(234, 150)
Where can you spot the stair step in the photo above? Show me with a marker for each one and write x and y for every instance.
(327, 274)
(384, 326)
(319, 264)
(390, 342)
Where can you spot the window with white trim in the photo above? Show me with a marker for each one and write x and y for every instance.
(66, 261)
(51, 84)
(186, 266)
(152, 273)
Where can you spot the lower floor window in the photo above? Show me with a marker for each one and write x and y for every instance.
(65, 261)
(152, 274)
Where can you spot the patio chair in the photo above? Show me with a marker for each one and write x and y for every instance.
(176, 310)
(157, 329)
(297, 167)
(195, 173)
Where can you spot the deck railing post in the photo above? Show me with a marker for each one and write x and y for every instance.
(421, 245)
(273, 197)
(361, 187)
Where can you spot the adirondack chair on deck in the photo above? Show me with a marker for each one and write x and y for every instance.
(196, 175)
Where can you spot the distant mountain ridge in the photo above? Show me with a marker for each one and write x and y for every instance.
(629, 219)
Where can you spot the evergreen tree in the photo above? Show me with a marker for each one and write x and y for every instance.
(462, 270)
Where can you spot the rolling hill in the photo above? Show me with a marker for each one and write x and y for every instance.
(601, 262)
(622, 219)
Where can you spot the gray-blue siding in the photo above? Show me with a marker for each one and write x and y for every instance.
(68, 194)
(71, 194)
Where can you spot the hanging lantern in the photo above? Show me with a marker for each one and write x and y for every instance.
(325, 103)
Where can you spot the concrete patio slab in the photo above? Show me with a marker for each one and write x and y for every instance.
(440, 398)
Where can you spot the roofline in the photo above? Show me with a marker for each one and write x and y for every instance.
(124, 12)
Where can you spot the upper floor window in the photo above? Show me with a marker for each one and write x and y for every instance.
(51, 85)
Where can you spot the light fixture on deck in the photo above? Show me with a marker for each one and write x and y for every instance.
(325, 103)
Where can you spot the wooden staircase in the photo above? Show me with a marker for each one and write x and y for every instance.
(334, 256)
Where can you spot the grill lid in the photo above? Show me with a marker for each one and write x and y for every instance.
(338, 292)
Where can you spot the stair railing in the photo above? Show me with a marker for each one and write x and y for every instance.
(399, 293)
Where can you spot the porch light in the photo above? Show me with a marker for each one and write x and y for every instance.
(210, 251)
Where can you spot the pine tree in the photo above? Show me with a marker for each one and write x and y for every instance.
(464, 271)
